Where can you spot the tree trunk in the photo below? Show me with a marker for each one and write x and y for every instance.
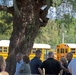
(25, 29)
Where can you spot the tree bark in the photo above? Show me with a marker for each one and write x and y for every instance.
(25, 29)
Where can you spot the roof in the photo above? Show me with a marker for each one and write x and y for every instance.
(7, 42)
(4, 42)
(41, 46)
(71, 45)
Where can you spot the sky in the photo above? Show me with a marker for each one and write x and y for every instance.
(9, 3)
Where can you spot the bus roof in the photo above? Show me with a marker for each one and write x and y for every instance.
(4, 43)
(47, 46)
(7, 42)
(71, 45)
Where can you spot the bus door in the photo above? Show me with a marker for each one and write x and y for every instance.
(46, 53)
(73, 50)
(58, 53)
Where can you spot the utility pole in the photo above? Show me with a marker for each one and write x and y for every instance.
(62, 32)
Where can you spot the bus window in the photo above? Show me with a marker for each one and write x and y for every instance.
(66, 50)
(57, 50)
(0, 49)
(5, 49)
(62, 50)
(73, 50)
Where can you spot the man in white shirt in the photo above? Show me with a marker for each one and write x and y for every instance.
(19, 58)
(72, 66)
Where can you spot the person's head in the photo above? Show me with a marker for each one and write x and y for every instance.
(69, 56)
(38, 53)
(50, 55)
(26, 59)
(4, 73)
(19, 57)
(63, 60)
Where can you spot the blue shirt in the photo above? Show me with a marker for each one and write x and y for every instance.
(18, 65)
(34, 64)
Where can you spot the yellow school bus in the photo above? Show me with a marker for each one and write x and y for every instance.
(63, 49)
(4, 49)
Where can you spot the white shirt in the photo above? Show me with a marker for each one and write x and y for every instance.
(72, 66)
(18, 65)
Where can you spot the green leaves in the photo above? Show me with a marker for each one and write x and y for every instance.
(5, 24)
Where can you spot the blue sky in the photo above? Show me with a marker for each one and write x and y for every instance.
(9, 3)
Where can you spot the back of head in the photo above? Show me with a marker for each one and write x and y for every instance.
(51, 55)
(3, 73)
(38, 53)
(26, 59)
(63, 60)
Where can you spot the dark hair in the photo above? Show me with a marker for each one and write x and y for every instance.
(50, 53)
(19, 54)
(70, 53)
(26, 59)
(38, 51)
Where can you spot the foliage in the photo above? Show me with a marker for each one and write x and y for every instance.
(48, 34)
(56, 3)
(5, 25)
(52, 33)
(73, 3)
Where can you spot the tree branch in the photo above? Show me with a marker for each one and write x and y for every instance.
(16, 8)
(4, 8)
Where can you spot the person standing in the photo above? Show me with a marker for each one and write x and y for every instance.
(51, 66)
(2, 64)
(69, 57)
(25, 67)
(36, 62)
(63, 62)
(72, 66)
(19, 59)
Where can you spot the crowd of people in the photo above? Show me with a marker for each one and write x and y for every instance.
(50, 66)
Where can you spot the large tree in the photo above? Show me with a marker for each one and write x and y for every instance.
(27, 19)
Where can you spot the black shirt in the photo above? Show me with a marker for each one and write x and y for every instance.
(52, 66)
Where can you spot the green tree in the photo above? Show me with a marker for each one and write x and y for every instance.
(5, 25)
(48, 34)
